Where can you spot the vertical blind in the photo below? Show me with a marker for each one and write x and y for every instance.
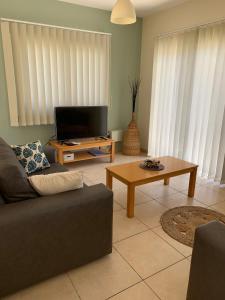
(188, 98)
(51, 66)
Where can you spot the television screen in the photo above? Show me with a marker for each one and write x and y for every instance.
(80, 122)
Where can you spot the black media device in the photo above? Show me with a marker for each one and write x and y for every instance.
(77, 122)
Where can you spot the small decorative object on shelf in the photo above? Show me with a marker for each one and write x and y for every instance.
(131, 139)
(152, 164)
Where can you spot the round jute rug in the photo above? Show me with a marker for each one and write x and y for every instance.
(180, 222)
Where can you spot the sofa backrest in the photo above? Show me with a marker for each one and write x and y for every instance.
(14, 185)
(1, 200)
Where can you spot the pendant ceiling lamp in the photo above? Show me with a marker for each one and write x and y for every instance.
(123, 13)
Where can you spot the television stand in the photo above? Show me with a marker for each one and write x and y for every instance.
(81, 151)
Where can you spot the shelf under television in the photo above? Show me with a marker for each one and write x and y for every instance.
(81, 151)
(79, 156)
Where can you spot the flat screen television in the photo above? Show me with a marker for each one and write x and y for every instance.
(80, 122)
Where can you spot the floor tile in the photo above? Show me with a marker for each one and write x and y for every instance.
(139, 291)
(103, 278)
(189, 258)
(91, 172)
(120, 196)
(57, 288)
(95, 174)
(147, 186)
(183, 249)
(216, 187)
(180, 183)
(118, 185)
(116, 206)
(89, 165)
(150, 213)
(209, 196)
(201, 181)
(220, 207)
(124, 227)
(179, 199)
(171, 283)
(157, 191)
(147, 253)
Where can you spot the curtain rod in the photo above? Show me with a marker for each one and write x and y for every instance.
(52, 26)
(184, 29)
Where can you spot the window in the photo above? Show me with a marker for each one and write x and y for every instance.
(188, 98)
(51, 66)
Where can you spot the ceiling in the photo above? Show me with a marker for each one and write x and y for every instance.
(143, 7)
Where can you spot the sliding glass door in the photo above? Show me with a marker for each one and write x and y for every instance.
(188, 98)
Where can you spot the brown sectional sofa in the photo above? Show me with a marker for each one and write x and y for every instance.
(45, 236)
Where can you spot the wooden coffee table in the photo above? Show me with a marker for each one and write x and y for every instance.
(132, 175)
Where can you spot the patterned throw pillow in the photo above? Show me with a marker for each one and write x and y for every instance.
(31, 157)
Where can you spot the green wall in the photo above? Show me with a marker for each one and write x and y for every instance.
(125, 58)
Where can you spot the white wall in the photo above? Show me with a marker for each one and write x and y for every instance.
(188, 14)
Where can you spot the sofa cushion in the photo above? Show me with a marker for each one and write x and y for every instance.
(56, 183)
(31, 157)
(14, 185)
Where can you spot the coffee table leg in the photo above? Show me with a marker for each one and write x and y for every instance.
(192, 182)
(130, 200)
(109, 180)
(166, 181)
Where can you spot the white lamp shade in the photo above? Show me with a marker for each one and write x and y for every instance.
(123, 13)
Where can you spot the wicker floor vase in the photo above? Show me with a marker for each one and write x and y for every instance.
(131, 139)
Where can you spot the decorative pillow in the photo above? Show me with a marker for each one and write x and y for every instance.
(56, 183)
(31, 157)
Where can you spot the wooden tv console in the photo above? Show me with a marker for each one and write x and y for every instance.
(81, 151)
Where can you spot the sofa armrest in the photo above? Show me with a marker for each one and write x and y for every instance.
(50, 153)
(46, 236)
(207, 272)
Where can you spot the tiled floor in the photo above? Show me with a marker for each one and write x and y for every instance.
(146, 264)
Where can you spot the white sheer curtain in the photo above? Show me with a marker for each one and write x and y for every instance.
(188, 98)
(50, 66)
